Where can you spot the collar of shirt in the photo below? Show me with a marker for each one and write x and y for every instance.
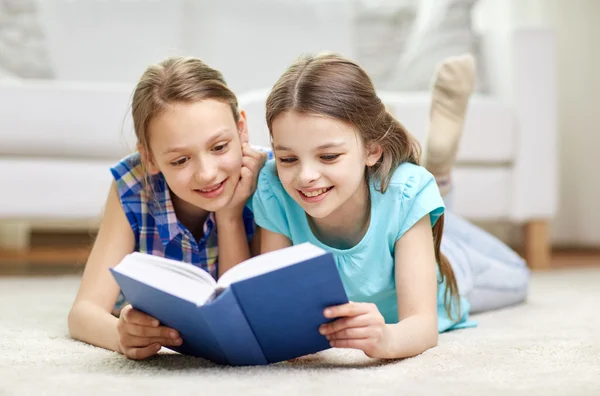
(160, 206)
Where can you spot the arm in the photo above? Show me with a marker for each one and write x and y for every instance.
(270, 241)
(362, 326)
(232, 240)
(90, 319)
(416, 285)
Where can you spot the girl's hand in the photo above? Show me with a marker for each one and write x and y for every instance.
(140, 335)
(361, 327)
(252, 163)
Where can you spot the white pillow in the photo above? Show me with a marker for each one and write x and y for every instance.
(381, 30)
(22, 46)
(442, 28)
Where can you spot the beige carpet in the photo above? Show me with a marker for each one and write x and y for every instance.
(549, 346)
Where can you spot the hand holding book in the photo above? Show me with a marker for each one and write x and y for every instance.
(141, 335)
(264, 310)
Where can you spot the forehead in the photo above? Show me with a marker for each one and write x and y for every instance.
(310, 129)
(201, 118)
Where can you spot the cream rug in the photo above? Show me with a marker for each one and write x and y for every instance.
(549, 346)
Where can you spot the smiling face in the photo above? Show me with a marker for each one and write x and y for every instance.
(320, 162)
(197, 148)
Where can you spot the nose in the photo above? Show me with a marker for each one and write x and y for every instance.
(308, 174)
(207, 170)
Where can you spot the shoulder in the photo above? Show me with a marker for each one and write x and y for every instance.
(273, 208)
(269, 190)
(409, 177)
(411, 194)
(129, 175)
(268, 180)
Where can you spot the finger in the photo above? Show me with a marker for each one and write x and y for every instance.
(355, 343)
(132, 315)
(349, 309)
(249, 151)
(344, 323)
(244, 136)
(145, 331)
(247, 180)
(142, 353)
(250, 163)
(130, 341)
(350, 333)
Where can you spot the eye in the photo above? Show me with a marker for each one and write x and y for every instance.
(180, 161)
(220, 147)
(329, 157)
(287, 160)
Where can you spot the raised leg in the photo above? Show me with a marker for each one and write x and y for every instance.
(537, 244)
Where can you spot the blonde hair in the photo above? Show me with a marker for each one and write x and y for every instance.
(175, 80)
(331, 85)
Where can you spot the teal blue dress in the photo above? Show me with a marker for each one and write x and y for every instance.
(367, 269)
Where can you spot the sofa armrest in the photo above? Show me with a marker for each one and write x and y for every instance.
(520, 69)
(535, 189)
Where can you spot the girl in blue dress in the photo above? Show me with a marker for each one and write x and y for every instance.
(346, 177)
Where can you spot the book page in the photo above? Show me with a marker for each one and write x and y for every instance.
(176, 278)
(268, 262)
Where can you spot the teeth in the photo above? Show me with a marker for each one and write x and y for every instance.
(212, 189)
(314, 193)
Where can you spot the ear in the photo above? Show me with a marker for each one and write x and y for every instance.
(147, 160)
(242, 126)
(374, 153)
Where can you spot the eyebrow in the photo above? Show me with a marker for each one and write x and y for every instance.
(321, 147)
(216, 136)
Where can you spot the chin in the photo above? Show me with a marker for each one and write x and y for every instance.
(318, 213)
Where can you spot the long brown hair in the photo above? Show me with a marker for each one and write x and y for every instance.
(331, 85)
(175, 80)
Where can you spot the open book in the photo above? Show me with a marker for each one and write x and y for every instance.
(264, 310)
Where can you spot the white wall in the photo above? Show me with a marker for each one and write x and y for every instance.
(577, 27)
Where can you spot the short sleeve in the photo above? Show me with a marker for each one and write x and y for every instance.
(419, 196)
(267, 203)
(128, 176)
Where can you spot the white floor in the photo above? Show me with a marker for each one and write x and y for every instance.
(549, 346)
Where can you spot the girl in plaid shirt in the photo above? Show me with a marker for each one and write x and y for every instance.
(191, 176)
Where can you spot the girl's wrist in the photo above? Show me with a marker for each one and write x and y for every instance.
(388, 344)
(231, 217)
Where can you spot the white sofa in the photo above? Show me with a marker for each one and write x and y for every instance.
(59, 137)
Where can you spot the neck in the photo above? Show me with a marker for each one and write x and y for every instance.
(346, 226)
(192, 217)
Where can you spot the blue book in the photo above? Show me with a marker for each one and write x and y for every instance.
(264, 310)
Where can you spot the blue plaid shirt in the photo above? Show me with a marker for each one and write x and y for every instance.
(155, 226)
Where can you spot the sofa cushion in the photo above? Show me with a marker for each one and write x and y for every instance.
(488, 135)
(61, 119)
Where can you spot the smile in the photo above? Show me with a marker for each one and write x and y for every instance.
(313, 196)
(211, 188)
(315, 193)
(211, 191)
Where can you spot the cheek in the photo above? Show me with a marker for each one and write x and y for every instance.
(286, 176)
(231, 162)
(177, 178)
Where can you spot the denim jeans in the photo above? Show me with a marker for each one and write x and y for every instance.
(490, 275)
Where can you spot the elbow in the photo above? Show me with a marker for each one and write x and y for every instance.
(430, 334)
(433, 333)
(433, 339)
(73, 322)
